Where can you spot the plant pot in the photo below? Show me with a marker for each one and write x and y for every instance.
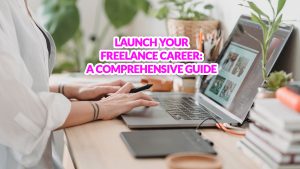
(264, 93)
(191, 28)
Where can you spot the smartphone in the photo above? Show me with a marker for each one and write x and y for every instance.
(142, 88)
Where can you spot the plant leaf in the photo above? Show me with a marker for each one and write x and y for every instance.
(280, 6)
(120, 12)
(262, 25)
(254, 7)
(277, 80)
(61, 18)
(208, 6)
(255, 18)
(142, 5)
(278, 22)
(162, 13)
(199, 16)
(276, 25)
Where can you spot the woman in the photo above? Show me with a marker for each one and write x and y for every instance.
(30, 108)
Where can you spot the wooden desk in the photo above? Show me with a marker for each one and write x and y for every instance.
(98, 145)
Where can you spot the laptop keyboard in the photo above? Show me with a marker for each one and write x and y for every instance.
(184, 108)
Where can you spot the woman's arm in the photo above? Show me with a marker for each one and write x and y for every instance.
(86, 91)
(53, 88)
(119, 103)
(81, 112)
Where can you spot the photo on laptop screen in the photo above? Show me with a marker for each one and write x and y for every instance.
(234, 66)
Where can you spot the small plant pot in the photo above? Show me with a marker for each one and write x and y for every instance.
(264, 93)
(191, 28)
(193, 161)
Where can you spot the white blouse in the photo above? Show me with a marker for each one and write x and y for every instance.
(28, 111)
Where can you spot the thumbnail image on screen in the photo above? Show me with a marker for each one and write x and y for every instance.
(233, 69)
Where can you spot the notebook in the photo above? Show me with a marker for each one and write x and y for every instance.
(160, 143)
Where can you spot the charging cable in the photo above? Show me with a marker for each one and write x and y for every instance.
(237, 131)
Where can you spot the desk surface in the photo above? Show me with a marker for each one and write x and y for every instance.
(98, 145)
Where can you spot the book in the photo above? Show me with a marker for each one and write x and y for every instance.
(292, 136)
(273, 153)
(262, 159)
(289, 98)
(274, 140)
(278, 114)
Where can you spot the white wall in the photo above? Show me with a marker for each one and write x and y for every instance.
(228, 11)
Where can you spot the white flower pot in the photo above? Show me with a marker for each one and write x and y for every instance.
(264, 93)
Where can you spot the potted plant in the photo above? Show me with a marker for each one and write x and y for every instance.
(62, 19)
(184, 19)
(273, 82)
(269, 25)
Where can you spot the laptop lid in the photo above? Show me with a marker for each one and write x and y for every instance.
(235, 87)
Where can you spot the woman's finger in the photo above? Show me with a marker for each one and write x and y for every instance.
(141, 102)
(126, 88)
(118, 83)
(140, 95)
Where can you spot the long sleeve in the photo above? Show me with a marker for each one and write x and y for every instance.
(27, 118)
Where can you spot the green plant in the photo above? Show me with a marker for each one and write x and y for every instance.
(182, 9)
(119, 13)
(268, 24)
(61, 18)
(122, 12)
(277, 80)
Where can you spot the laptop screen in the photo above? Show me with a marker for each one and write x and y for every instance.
(235, 87)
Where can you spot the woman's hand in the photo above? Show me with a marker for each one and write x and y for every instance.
(118, 103)
(122, 102)
(91, 91)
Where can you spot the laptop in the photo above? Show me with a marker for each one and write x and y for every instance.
(226, 97)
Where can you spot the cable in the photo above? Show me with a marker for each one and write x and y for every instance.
(222, 127)
(209, 118)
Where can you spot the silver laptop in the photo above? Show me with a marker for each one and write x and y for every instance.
(226, 97)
